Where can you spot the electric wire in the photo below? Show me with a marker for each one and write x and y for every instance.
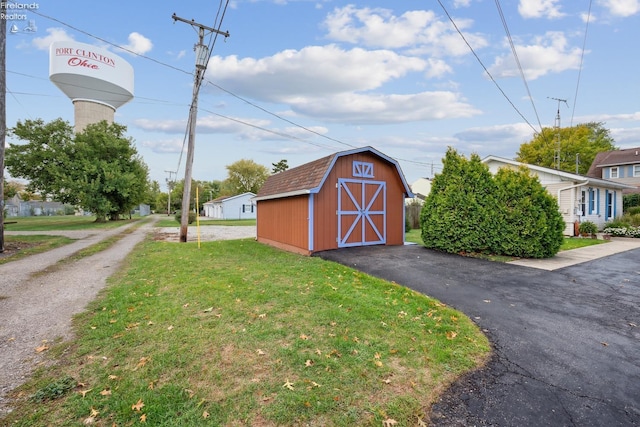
(484, 67)
(584, 43)
(120, 47)
(515, 56)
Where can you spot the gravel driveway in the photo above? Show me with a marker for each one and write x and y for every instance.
(36, 310)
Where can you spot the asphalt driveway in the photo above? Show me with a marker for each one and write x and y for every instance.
(566, 342)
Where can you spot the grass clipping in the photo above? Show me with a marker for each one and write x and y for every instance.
(238, 333)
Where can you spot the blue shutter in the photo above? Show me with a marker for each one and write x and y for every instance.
(630, 171)
(615, 194)
(598, 201)
(606, 205)
(590, 201)
(606, 173)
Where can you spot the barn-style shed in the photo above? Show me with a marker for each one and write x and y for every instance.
(350, 198)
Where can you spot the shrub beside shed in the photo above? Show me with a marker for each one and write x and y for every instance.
(350, 198)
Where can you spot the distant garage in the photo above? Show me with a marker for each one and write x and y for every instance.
(350, 198)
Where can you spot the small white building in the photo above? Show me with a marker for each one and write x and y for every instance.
(421, 189)
(231, 207)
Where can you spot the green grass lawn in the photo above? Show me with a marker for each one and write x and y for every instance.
(18, 247)
(239, 333)
(171, 222)
(569, 243)
(60, 222)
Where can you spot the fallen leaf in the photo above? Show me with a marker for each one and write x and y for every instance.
(376, 356)
(205, 414)
(308, 363)
(113, 321)
(486, 300)
(89, 421)
(137, 406)
(387, 381)
(150, 323)
(84, 392)
(262, 316)
(113, 377)
(318, 352)
(260, 352)
(451, 335)
(94, 413)
(42, 348)
(170, 328)
(208, 310)
(315, 384)
(304, 337)
(185, 305)
(378, 363)
(389, 422)
(604, 344)
(143, 418)
(288, 385)
(633, 325)
(105, 392)
(143, 361)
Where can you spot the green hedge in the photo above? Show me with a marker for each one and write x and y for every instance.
(469, 210)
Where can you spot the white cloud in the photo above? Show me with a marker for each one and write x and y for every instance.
(164, 146)
(540, 9)
(546, 54)
(622, 8)
(54, 35)
(417, 30)
(381, 109)
(313, 71)
(138, 44)
(461, 3)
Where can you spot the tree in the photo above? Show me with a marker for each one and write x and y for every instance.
(246, 176)
(530, 223)
(585, 140)
(281, 166)
(457, 213)
(468, 210)
(98, 169)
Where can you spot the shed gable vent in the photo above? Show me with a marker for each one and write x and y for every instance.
(362, 169)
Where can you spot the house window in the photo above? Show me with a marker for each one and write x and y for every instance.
(609, 209)
(362, 169)
(636, 171)
(583, 203)
(592, 201)
(613, 173)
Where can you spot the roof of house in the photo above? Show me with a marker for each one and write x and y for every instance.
(227, 198)
(309, 177)
(564, 176)
(613, 158)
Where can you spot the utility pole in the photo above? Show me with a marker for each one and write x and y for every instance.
(170, 187)
(556, 156)
(3, 113)
(202, 56)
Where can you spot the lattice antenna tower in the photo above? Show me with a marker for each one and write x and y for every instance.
(556, 126)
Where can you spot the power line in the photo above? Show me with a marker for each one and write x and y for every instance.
(584, 43)
(515, 56)
(485, 68)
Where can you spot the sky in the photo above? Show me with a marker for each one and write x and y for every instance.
(302, 79)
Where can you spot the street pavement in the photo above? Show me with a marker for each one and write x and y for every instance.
(566, 342)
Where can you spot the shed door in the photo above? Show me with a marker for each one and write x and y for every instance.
(362, 212)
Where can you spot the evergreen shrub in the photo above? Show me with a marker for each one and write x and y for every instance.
(471, 211)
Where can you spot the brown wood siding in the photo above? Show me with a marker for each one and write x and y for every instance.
(326, 201)
(284, 220)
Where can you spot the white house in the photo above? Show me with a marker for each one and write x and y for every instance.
(421, 189)
(580, 198)
(231, 207)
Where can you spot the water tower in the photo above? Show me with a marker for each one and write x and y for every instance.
(97, 81)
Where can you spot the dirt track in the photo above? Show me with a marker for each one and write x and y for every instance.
(36, 310)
